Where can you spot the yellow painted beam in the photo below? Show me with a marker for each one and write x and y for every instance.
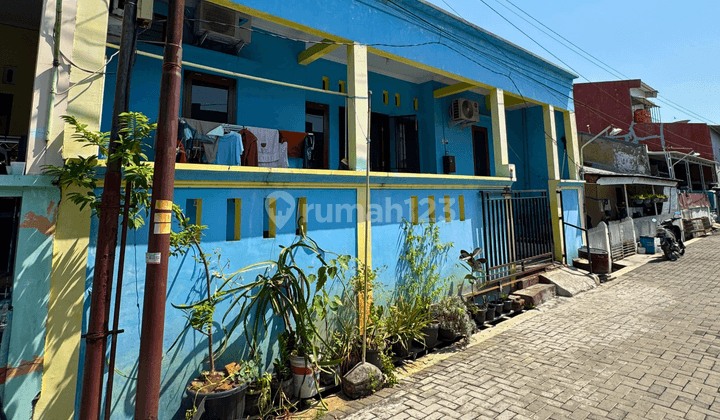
(272, 216)
(446, 202)
(573, 146)
(555, 214)
(65, 304)
(311, 54)
(238, 219)
(302, 214)
(72, 233)
(551, 148)
(553, 177)
(361, 222)
(453, 89)
(198, 211)
(85, 97)
(461, 205)
(499, 132)
(358, 106)
(431, 209)
(414, 210)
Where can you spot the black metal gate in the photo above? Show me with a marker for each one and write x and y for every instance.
(517, 232)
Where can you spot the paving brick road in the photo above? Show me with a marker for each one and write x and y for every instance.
(644, 346)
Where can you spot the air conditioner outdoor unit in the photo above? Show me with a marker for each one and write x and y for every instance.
(464, 111)
(222, 25)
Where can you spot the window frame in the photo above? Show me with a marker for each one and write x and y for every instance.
(220, 82)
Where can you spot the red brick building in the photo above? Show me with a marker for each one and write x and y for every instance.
(627, 104)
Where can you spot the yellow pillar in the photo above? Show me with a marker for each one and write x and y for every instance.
(553, 178)
(499, 132)
(573, 146)
(65, 303)
(70, 249)
(357, 109)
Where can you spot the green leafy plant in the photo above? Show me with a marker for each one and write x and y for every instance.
(422, 256)
(388, 369)
(286, 291)
(476, 276)
(405, 322)
(452, 314)
(81, 174)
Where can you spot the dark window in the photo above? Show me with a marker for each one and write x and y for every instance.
(209, 98)
(481, 152)
(407, 147)
(317, 122)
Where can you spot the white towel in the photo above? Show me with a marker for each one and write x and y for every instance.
(268, 146)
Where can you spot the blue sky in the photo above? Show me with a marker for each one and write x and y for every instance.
(673, 47)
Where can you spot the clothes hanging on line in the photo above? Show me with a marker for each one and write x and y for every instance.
(270, 153)
(250, 152)
(229, 149)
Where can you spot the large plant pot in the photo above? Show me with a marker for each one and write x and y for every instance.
(305, 377)
(251, 403)
(489, 312)
(447, 334)
(286, 386)
(431, 335)
(225, 405)
(328, 374)
(497, 308)
(480, 316)
(507, 305)
(401, 349)
(373, 357)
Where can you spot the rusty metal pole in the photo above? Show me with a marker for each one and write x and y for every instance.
(153, 323)
(97, 332)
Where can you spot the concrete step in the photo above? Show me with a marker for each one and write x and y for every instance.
(570, 281)
(536, 294)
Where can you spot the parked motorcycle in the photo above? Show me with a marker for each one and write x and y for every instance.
(670, 241)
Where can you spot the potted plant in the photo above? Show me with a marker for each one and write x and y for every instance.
(454, 320)
(224, 389)
(507, 303)
(638, 198)
(298, 299)
(282, 382)
(489, 310)
(404, 324)
(258, 397)
(474, 264)
(419, 270)
(663, 198)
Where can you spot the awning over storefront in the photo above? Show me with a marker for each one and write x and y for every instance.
(606, 177)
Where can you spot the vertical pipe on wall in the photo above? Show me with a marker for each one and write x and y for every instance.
(118, 297)
(153, 322)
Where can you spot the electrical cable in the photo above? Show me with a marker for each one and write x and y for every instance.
(97, 72)
(439, 31)
(601, 64)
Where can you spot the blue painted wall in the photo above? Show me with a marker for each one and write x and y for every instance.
(572, 213)
(334, 228)
(526, 147)
(23, 340)
(464, 50)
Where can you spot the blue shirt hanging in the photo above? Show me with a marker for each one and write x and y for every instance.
(229, 149)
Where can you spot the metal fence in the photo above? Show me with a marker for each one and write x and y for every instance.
(517, 232)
